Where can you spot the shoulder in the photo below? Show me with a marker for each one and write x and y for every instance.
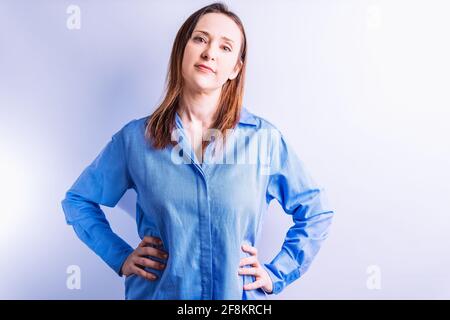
(132, 130)
(280, 145)
(134, 126)
(259, 122)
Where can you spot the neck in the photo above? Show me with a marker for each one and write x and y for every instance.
(199, 108)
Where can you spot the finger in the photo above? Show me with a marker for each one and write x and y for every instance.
(150, 240)
(249, 271)
(145, 262)
(250, 249)
(254, 285)
(249, 261)
(150, 251)
(144, 274)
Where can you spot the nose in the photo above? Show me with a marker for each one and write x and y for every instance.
(209, 53)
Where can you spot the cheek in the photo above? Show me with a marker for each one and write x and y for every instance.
(226, 69)
(188, 55)
(186, 68)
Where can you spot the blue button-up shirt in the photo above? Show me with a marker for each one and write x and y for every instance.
(203, 211)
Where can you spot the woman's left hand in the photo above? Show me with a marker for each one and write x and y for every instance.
(263, 279)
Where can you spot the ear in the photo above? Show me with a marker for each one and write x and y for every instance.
(236, 70)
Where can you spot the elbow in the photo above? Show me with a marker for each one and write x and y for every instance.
(67, 205)
(69, 200)
(75, 207)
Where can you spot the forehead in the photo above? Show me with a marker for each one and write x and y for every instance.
(219, 25)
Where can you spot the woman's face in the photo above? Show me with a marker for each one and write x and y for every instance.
(215, 42)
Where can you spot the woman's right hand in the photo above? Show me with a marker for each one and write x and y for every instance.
(137, 260)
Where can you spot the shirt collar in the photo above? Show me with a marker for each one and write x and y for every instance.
(245, 118)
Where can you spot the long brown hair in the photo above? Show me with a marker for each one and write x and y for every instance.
(161, 123)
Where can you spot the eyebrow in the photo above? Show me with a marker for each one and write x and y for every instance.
(228, 39)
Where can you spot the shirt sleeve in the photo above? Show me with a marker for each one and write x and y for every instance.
(103, 182)
(301, 197)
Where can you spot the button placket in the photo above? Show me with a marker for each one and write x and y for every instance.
(204, 217)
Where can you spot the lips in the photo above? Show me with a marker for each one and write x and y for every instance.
(202, 66)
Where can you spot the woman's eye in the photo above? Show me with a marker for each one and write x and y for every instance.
(203, 40)
(199, 38)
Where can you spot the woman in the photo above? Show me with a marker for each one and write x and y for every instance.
(200, 200)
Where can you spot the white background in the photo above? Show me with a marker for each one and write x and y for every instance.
(360, 89)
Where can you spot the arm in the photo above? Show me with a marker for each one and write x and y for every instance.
(300, 197)
(103, 182)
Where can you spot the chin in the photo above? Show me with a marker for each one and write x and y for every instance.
(203, 85)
